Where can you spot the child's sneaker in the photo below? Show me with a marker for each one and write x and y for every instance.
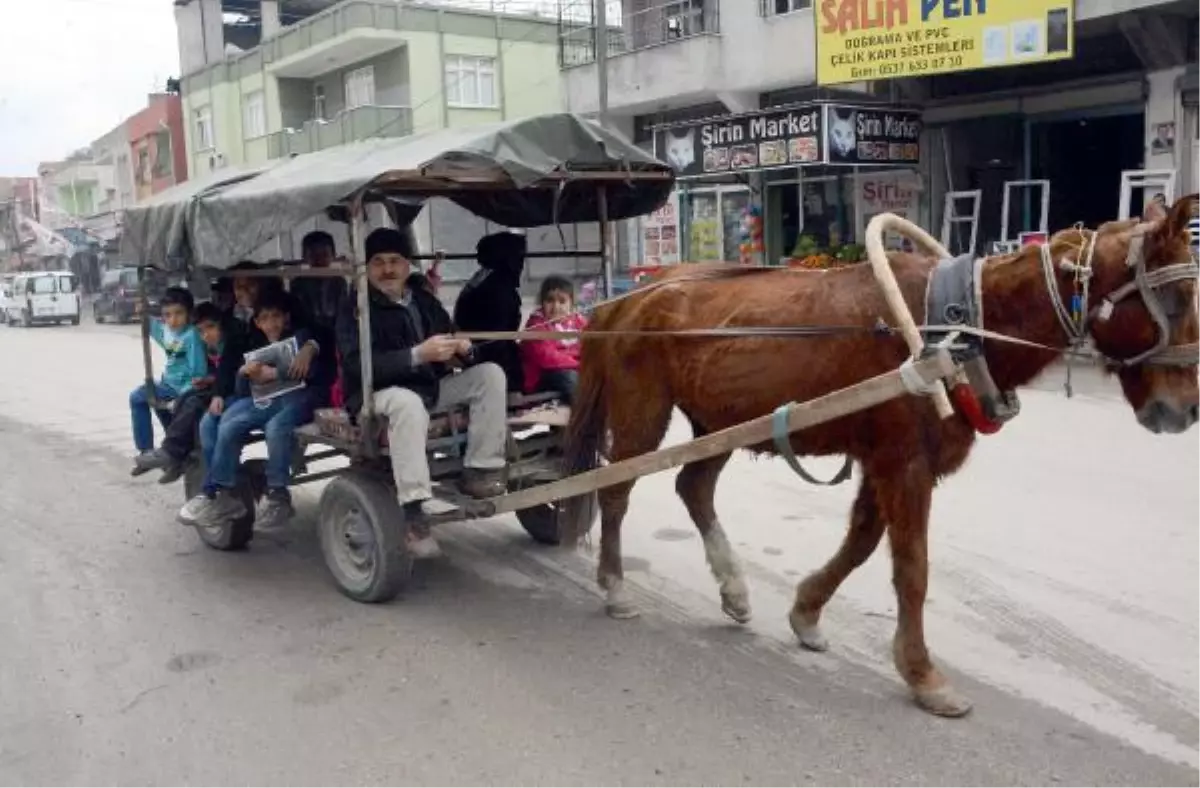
(195, 510)
(172, 472)
(149, 460)
(224, 507)
(275, 511)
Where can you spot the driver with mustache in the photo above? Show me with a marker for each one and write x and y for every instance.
(418, 365)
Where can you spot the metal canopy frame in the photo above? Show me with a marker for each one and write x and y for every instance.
(1158, 180)
(951, 217)
(1043, 214)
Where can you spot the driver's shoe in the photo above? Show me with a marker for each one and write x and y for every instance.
(483, 482)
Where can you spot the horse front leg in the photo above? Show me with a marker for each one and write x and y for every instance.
(610, 575)
(905, 501)
(812, 593)
(696, 485)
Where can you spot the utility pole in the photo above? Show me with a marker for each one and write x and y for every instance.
(601, 18)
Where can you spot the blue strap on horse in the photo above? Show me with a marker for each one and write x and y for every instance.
(783, 445)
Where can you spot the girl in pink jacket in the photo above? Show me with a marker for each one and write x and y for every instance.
(553, 364)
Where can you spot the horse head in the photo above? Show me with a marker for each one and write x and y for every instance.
(1144, 321)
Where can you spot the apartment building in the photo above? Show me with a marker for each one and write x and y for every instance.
(266, 79)
(300, 75)
(1069, 94)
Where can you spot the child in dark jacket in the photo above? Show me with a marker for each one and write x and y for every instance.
(224, 346)
(277, 417)
(553, 364)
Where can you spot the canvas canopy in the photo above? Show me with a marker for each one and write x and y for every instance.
(533, 172)
(156, 230)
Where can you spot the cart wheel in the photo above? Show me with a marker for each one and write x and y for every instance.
(363, 535)
(543, 524)
(232, 535)
(97, 318)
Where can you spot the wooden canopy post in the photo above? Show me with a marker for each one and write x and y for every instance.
(366, 368)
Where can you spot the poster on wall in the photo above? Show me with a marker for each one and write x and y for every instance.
(749, 142)
(859, 41)
(806, 134)
(660, 234)
(889, 192)
(872, 135)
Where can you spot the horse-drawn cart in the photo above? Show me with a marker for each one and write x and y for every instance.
(729, 347)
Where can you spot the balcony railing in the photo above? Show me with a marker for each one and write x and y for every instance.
(348, 125)
(333, 22)
(641, 28)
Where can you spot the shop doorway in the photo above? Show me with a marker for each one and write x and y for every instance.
(1083, 159)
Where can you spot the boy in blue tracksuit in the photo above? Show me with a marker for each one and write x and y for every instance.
(187, 362)
(277, 418)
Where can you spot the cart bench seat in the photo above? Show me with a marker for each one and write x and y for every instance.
(334, 427)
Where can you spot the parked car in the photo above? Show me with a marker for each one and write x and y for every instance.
(118, 296)
(43, 297)
(6, 286)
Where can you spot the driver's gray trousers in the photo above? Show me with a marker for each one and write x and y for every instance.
(483, 389)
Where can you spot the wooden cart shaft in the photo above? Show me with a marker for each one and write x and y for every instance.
(835, 405)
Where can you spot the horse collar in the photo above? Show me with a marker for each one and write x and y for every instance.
(953, 296)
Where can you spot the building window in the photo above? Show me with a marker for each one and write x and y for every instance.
(204, 128)
(360, 87)
(319, 101)
(683, 20)
(254, 115)
(163, 165)
(470, 81)
(779, 7)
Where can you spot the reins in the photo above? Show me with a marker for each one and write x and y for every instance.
(1073, 319)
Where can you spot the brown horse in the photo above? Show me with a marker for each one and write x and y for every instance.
(629, 386)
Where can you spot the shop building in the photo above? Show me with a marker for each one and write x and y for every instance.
(1124, 103)
(1075, 95)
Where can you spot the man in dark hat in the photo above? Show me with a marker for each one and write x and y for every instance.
(414, 356)
(491, 301)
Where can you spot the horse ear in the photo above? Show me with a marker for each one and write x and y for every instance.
(1180, 215)
(1156, 210)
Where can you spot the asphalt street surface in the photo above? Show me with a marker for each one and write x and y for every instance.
(1063, 602)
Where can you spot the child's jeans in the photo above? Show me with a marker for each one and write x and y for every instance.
(139, 411)
(277, 420)
(181, 431)
(563, 381)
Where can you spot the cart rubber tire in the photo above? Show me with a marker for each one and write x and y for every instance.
(233, 535)
(364, 537)
(541, 523)
(97, 318)
(75, 320)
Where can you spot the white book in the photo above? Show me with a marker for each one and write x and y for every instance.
(280, 356)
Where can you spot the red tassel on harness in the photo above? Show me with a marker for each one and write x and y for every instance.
(969, 406)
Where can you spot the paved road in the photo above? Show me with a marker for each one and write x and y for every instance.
(1063, 601)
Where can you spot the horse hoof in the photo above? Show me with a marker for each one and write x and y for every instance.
(736, 607)
(809, 635)
(944, 701)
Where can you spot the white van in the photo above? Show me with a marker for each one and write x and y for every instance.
(42, 297)
(6, 285)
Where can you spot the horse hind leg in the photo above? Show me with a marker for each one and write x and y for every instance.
(696, 484)
(638, 422)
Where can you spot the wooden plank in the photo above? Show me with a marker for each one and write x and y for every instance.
(834, 405)
(549, 417)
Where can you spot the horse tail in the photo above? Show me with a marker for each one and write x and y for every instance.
(584, 440)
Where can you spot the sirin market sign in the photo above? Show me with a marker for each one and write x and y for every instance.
(807, 134)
